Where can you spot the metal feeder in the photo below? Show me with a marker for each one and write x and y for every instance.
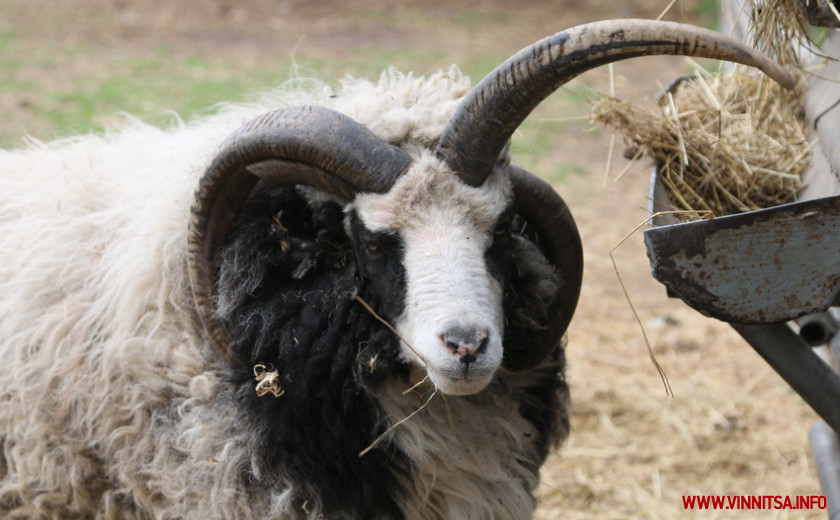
(774, 275)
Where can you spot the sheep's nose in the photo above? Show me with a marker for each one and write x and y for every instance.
(466, 342)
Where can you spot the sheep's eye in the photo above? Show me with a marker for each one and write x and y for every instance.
(503, 224)
(375, 244)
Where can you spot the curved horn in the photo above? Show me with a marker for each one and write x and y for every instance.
(307, 145)
(548, 214)
(488, 116)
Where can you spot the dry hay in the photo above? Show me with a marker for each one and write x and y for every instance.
(778, 28)
(725, 142)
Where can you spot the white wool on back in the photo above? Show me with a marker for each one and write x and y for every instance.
(109, 400)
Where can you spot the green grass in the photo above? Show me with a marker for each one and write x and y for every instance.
(70, 90)
(146, 87)
(708, 11)
(371, 63)
(151, 86)
(540, 143)
(10, 64)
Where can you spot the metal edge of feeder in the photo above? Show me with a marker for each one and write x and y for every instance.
(759, 267)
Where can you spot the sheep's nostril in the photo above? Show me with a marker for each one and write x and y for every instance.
(482, 344)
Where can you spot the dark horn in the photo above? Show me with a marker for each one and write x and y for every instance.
(307, 145)
(550, 217)
(488, 116)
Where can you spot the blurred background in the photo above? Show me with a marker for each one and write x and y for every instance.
(732, 426)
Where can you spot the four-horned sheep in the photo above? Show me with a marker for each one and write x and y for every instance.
(325, 304)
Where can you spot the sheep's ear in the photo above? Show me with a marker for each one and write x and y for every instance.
(553, 230)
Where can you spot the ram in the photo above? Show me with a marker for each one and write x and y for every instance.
(351, 306)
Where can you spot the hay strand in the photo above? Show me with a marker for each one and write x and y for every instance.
(268, 380)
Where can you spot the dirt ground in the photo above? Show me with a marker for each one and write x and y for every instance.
(732, 427)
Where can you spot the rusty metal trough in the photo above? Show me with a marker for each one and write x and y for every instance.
(760, 267)
(757, 271)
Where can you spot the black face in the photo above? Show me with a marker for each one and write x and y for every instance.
(380, 260)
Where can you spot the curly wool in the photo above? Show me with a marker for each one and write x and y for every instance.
(290, 303)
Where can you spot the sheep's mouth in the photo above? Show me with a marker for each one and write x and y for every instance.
(461, 380)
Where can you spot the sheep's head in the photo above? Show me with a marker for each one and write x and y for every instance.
(423, 222)
(435, 232)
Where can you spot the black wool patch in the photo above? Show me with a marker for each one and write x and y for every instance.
(380, 259)
(545, 403)
(286, 291)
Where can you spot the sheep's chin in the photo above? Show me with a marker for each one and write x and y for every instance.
(458, 386)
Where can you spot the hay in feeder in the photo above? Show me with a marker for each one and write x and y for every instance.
(724, 143)
(779, 29)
